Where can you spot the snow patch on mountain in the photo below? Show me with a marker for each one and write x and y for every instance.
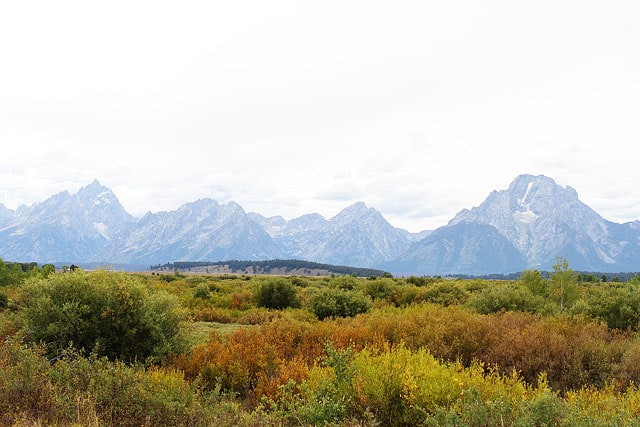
(102, 228)
(522, 201)
(106, 197)
(526, 217)
(18, 232)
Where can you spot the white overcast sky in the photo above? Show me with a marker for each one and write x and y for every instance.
(419, 109)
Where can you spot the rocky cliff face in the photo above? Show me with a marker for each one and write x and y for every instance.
(66, 227)
(543, 220)
(538, 217)
(358, 236)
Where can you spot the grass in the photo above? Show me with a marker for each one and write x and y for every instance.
(199, 332)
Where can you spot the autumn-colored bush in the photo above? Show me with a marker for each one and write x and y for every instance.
(627, 370)
(450, 333)
(241, 300)
(213, 314)
(254, 362)
(572, 352)
(247, 359)
(77, 390)
(399, 387)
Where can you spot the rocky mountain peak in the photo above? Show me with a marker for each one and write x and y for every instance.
(355, 210)
(526, 200)
(542, 220)
(96, 195)
(6, 214)
(359, 213)
(539, 193)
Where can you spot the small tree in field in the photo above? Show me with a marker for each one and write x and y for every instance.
(563, 283)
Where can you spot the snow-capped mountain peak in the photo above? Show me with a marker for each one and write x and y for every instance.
(543, 220)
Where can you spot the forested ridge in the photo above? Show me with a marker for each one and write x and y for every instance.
(239, 266)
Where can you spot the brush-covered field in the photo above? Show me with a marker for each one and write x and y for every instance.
(112, 348)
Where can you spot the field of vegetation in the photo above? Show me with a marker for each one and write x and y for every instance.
(111, 348)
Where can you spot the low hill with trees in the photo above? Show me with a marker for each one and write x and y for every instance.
(280, 267)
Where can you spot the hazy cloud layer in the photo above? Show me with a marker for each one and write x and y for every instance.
(420, 109)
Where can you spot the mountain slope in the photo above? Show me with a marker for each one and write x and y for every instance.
(66, 227)
(358, 235)
(464, 248)
(197, 231)
(543, 220)
(6, 215)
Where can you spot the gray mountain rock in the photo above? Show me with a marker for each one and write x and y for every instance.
(66, 227)
(542, 220)
(199, 231)
(358, 235)
(463, 248)
(6, 215)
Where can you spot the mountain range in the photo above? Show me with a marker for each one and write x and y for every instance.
(525, 226)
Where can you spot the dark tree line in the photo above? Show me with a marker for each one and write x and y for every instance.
(288, 264)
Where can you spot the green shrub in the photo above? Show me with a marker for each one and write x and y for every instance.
(78, 390)
(110, 314)
(422, 281)
(380, 289)
(616, 304)
(546, 409)
(330, 302)
(329, 391)
(347, 283)
(533, 280)
(4, 300)
(445, 293)
(276, 294)
(24, 383)
(507, 297)
(202, 292)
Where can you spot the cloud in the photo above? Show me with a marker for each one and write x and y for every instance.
(419, 110)
(339, 194)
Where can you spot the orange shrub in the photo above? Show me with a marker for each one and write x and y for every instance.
(241, 300)
(255, 362)
(213, 314)
(259, 316)
(572, 352)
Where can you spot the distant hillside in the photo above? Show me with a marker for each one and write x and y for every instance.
(273, 267)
